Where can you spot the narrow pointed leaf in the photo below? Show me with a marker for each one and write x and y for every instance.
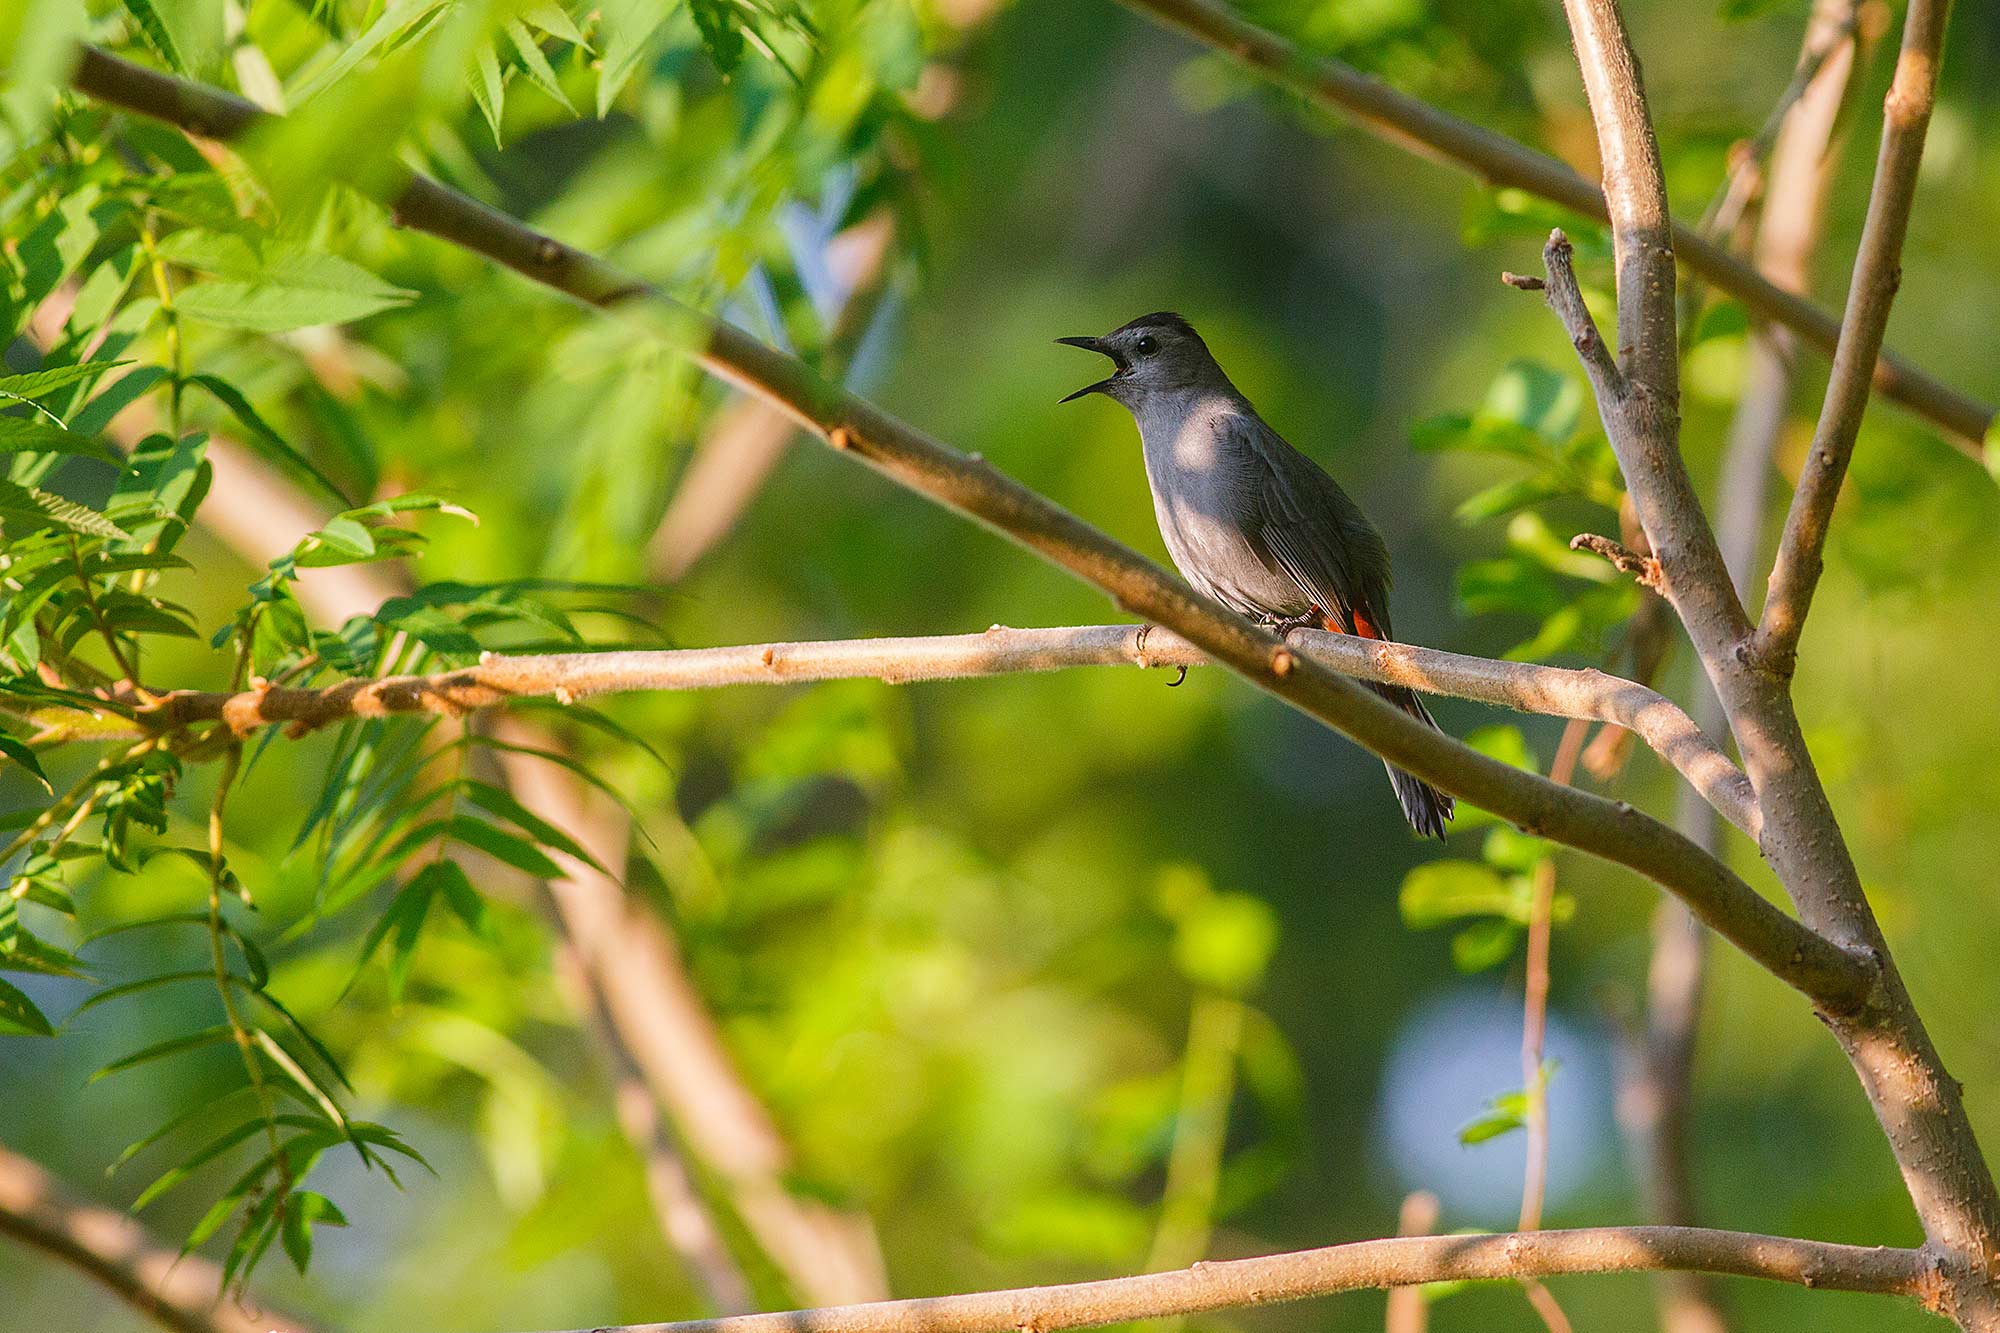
(264, 437)
(123, 989)
(495, 800)
(36, 383)
(19, 1015)
(193, 1041)
(18, 751)
(203, 1155)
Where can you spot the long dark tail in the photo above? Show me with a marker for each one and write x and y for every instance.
(1424, 806)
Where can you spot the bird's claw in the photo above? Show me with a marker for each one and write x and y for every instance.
(1283, 625)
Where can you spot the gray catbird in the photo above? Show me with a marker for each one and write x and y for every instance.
(1248, 519)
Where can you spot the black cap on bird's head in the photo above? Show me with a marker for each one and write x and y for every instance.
(1154, 353)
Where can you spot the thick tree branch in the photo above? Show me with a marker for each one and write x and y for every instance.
(1834, 978)
(1878, 271)
(1423, 129)
(1526, 686)
(1919, 1105)
(1642, 421)
(183, 1293)
(1658, 1100)
(1397, 1262)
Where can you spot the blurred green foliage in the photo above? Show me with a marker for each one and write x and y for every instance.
(1050, 975)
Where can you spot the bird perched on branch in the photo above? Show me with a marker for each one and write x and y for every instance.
(1248, 519)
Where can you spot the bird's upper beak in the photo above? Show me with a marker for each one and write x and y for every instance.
(1090, 345)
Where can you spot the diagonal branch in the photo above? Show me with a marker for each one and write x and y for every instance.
(180, 1292)
(1833, 977)
(1497, 160)
(1659, 1096)
(1642, 423)
(1525, 686)
(1878, 270)
(1398, 1262)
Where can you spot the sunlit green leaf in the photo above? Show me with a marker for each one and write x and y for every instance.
(303, 1211)
(28, 507)
(1484, 944)
(40, 383)
(264, 438)
(157, 34)
(276, 287)
(1441, 891)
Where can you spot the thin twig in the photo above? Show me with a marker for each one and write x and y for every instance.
(1535, 1006)
(1401, 1261)
(1534, 1032)
(1644, 568)
(95, 610)
(1544, 1302)
(244, 1036)
(1878, 271)
(1525, 686)
(1826, 42)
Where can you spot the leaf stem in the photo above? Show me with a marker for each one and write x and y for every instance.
(246, 1042)
(176, 367)
(96, 610)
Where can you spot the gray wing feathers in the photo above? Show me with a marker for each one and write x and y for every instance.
(1311, 530)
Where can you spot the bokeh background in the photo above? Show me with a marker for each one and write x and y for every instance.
(954, 933)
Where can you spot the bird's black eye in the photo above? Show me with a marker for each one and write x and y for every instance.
(1146, 346)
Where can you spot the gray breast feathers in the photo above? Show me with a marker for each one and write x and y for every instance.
(1207, 483)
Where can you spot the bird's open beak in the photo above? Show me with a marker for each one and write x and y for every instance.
(1089, 345)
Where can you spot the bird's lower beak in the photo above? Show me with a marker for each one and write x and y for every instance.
(1088, 345)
